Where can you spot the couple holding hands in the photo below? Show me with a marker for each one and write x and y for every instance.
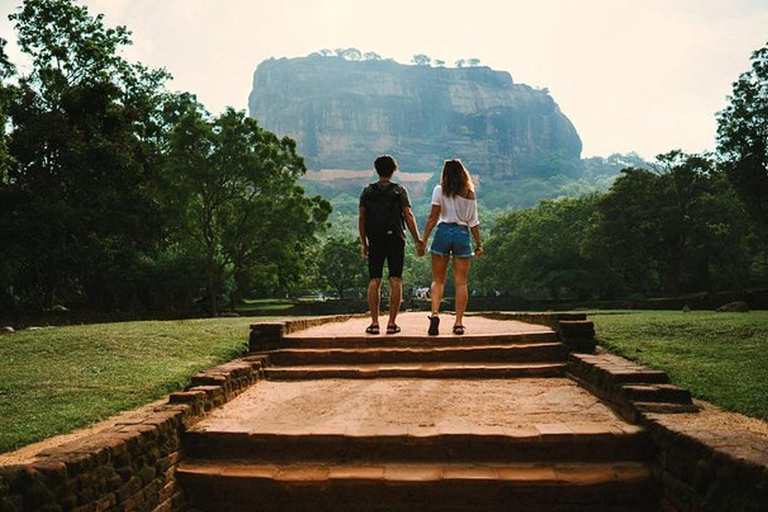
(385, 212)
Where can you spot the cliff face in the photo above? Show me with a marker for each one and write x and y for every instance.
(343, 114)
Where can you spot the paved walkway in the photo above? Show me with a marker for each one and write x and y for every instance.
(417, 323)
(414, 406)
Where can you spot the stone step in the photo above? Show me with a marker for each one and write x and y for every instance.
(537, 443)
(558, 487)
(401, 340)
(665, 393)
(476, 370)
(540, 352)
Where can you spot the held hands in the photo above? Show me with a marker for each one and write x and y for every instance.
(420, 248)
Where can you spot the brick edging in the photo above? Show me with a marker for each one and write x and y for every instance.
(573, 329)
(131, 465)
(630, 387)
(695, 470)
(265, 335)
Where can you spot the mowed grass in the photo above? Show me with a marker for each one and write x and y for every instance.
(719, 357)
(57, 379)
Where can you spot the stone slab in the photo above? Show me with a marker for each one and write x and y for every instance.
(416, 324)
(334, 406)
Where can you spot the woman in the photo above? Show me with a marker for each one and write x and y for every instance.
(454, 210)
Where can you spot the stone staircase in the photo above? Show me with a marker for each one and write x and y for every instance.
(246, 460)
(536, 354)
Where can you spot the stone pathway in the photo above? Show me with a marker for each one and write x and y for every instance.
(349, 422)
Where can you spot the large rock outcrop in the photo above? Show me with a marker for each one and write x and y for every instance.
(344, 113)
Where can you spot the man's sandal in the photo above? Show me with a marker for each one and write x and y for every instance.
(458, 330)
(434, 325)
(393, 329)
(372, 329)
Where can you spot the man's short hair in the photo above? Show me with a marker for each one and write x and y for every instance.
(385, 166)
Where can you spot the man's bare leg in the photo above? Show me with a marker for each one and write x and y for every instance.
(374, 296)
(395, 296)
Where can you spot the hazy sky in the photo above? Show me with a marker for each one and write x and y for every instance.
(645, 76)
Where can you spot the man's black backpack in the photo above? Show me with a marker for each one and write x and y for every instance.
(383, 210)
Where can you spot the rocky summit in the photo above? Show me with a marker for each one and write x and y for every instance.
(343, 113)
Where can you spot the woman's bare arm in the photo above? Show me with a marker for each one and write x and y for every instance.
(475, 230)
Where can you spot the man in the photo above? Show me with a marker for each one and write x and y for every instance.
(385, 210)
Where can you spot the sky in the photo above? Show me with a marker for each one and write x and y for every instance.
(632, 76)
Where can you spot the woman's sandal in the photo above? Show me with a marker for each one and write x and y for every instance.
(458, 330)
(393, 329)
(434, 325)
(372, 329)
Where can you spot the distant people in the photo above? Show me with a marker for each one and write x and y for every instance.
(385, 210)
(454, 210)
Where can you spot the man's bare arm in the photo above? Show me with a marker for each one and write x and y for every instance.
(361, 229)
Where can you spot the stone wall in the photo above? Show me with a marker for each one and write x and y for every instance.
(574, 329)
(129, 466)
(701, 464)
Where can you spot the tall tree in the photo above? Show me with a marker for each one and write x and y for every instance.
(340, 266)
(80, 205)
(743, 138)
(236, 184)
(421, 59)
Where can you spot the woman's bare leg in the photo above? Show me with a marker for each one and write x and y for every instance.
(460, 278)
(439, 272)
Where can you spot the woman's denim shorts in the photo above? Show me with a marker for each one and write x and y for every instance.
(452, 240)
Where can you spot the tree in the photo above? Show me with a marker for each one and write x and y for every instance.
(473, 62)
(239, 201)
(674, 230)
(341, 267)
(421, 60)
(439, 63)
(80, 206)
(371, 56)
(352, 54)
(325, 52)
(460, 63)
(742, 138)
(539, 250)
(7, 92)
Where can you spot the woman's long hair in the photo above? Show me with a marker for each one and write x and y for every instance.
(455, 178)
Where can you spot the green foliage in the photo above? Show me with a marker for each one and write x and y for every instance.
(236, 184)
(79, 203)
(720, 357)
(743, 138)
(341, 265)
(680, 229)
(539, 249)
(115, 193)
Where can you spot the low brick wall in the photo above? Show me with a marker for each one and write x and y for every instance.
(574, 329)
(265, 335)
(698, 468)
(129, 466)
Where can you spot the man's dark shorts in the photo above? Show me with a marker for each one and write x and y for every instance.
(391, 249)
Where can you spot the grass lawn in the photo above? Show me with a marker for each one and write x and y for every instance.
(57, 379)
(720, 357)
(273, 306)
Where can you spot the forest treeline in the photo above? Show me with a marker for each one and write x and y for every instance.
(690, 223)
(118, 194)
